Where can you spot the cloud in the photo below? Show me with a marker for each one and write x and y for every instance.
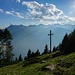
(18, 1)
(9, 13)
(66, 20)
(13, 13)
(42, 12)
(47, 13)
(19, 15)
(1, 10)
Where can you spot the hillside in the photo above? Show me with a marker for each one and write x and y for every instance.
(45, 65)
(36, 36)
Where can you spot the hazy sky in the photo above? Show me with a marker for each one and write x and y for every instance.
(28, 12)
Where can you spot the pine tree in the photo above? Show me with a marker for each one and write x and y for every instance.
(46, 49)
(25, 58)
(16, 60)
(32, 54)
(20, 58)
(7, 44)
(71, 42)
(54, 49)
(29, 53)
(68, 44)
(64, 44)
(5, 47)
(37, 53)
(1, 36)
(1, 44)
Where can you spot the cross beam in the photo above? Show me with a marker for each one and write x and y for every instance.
(50, 40)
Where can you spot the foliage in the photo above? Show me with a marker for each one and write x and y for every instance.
(16, 60)
(20, 58)
(31, 54)
(37, 53)
(5, 47)
(68, 44)
(46, 49)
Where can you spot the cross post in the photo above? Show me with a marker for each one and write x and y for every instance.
(50, 40)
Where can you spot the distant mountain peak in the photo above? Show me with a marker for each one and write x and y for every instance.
(36, 36)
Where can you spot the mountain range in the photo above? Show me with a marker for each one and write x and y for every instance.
(35, 37)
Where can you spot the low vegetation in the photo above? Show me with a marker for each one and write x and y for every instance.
(61, 65)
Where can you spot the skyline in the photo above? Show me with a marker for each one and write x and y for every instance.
(34, 12)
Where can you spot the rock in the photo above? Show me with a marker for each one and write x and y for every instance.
(50, 67)
(43, 61)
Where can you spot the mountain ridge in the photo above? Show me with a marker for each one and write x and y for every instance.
(36, 36)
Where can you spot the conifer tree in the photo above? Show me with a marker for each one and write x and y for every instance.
(46, 49)
(16, 60)
(54, 49)
(64, 44)
(20, 58)
(1, 44)
(32, 54)
(7, 44)
(71, 42)
(25, 58)
(29, 53)
(37, 53)
(68, 44)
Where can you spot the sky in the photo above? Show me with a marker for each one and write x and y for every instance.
(34, 12)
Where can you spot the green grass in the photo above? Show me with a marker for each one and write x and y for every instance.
(65, 65)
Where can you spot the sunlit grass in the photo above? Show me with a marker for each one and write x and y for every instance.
(36, 68)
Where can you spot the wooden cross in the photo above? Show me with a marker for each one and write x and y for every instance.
(50, 40)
